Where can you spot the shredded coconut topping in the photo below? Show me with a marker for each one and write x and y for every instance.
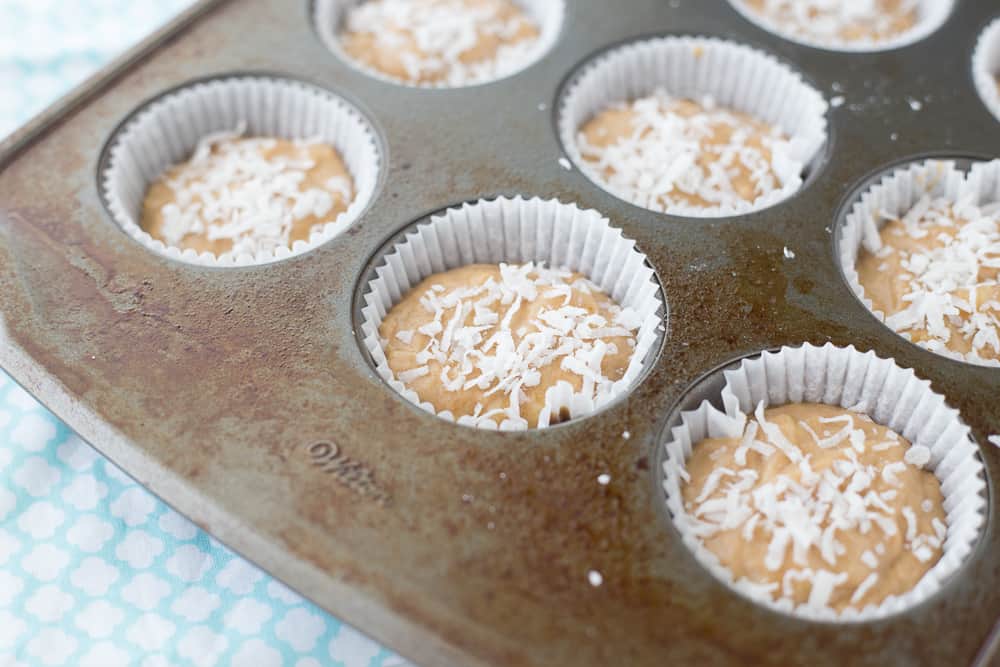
(949, 259)
(804, 510)
(833, 21)
(233, 190)
(470, 335)
(454, 42)
(663, 153)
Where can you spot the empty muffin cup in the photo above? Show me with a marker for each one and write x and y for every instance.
(439, 43)
(710, 129)
(863, 384)
(187, 123)
(514, 234)
(844, 25)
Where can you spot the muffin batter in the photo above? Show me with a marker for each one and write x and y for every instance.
(247, 195)
(660, 153)
(487, 341)
(935, 274)
(453, 42)
(832, 21)
(817, 505)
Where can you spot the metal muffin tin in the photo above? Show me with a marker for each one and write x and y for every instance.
(242, 398)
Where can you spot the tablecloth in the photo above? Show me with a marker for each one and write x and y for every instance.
(94, 570)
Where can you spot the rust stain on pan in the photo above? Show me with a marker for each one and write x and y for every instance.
(248, 386)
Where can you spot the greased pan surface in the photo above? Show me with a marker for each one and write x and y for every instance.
(242, 397)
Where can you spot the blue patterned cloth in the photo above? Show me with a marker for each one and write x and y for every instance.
(94, 570)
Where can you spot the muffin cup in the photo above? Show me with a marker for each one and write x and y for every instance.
(894, 195)
(517, 231)
(862, 382)
(986, 67)
(167, 130)
(734, 76)
(932, 14)
(328, 17)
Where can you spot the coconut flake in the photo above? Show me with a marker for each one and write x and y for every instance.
(823, 585)
(413, 374)
(890, 470)
(864, 587)
(917, 456)
(911, 523)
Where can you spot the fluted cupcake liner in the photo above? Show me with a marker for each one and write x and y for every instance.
(518, 231)
(734, 76)
(893, 195)
(167, 130)
(862, 382)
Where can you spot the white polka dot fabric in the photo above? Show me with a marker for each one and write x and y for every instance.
(95, 571)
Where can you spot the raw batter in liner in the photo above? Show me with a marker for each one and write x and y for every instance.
(454, 42)
(832, 21)
(935, 275)
(659, 152)
(817, 505)
(246, 195)
(521, 331)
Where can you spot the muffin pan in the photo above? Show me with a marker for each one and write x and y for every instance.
(242, 396)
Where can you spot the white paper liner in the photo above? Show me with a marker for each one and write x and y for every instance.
(931, 15)
(166, 131)
(862, 382)
(328, 17)
(986, 67)
(517, 231)
(895, 194)
(735, 76)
